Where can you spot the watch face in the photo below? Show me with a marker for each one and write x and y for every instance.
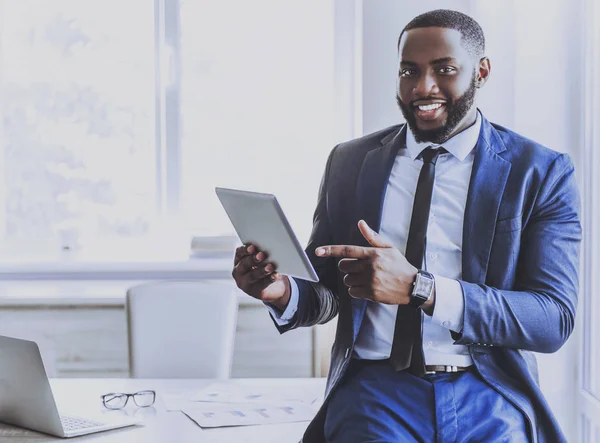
(423, 288)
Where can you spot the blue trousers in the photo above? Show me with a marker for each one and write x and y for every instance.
(374, 403)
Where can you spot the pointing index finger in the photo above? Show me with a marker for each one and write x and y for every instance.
(348, 251)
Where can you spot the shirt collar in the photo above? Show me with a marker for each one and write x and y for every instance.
(459, 146)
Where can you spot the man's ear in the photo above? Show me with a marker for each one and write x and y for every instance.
(483, 72)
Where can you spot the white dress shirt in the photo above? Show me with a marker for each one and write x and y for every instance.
(443, 255)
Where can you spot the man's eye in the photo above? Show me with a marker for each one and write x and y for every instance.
(406, 72)
(446, 70)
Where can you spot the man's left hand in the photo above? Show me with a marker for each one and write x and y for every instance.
(379, 273)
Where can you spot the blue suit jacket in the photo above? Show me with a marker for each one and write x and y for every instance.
(519, 261)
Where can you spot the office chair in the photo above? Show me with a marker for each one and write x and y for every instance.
(181, 329)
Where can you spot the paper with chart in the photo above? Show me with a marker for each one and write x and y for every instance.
(214, 415)
(241, 394)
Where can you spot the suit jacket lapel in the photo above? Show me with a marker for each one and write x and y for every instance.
(370, 194)
(488, 179)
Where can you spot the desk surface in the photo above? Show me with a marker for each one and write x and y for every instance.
(160, 425)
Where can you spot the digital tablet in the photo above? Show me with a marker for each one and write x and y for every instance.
(258, 219)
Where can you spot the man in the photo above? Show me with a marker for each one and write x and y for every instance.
(448, 247)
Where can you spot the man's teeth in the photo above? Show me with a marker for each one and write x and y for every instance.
(430, 107)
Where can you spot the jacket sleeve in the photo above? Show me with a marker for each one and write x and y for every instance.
(539, 314)
(317, 302)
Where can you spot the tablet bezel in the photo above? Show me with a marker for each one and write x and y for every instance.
(292, 261)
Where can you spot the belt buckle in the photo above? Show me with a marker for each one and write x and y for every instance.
(446, 368)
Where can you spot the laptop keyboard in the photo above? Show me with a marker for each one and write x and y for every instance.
(74, 423)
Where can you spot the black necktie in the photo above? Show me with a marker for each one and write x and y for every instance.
(407, 347)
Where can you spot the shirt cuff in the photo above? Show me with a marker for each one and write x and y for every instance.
(449, 307)
(287, 315)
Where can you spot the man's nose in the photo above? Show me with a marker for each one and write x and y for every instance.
(425, 86)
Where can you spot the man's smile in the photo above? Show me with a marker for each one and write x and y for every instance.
(428, 110)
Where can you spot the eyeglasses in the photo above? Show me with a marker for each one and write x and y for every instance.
(143, 399)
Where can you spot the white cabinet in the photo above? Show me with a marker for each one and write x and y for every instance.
(260, 351)
(91, 340)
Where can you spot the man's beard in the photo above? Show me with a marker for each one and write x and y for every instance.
(456, 111)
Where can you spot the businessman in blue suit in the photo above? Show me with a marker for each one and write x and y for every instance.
(448, 248)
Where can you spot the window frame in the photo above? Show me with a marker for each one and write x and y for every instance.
(167, 70)
(588, 401)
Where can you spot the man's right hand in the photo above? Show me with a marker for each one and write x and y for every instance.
(257, 277)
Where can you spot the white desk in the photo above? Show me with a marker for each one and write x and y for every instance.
(159, 425)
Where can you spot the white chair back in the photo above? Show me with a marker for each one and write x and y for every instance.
(181, 329)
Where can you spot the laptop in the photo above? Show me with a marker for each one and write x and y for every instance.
(26, 398)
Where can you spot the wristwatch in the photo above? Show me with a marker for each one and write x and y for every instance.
(423, 287)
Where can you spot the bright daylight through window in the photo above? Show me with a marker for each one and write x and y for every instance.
(84, 154)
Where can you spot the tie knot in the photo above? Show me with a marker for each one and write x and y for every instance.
(430, 155)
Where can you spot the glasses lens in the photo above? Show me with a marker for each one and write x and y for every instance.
(115, 401)
(144, 398)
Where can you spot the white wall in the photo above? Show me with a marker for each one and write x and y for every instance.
(547, 48)
(382, 22)
(536, 52)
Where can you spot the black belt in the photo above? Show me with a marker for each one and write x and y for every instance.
(429, 369)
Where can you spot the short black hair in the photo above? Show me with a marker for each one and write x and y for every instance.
(471, 32)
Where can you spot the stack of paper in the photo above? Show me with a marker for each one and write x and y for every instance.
(214, 246)
(226, 404)
(232, 393)
(215, 415)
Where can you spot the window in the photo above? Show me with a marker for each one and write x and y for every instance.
(121, 117)
(257, 108)
(78, 148)
(589, 394)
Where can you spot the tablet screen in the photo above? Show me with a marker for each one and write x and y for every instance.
(259, 219)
